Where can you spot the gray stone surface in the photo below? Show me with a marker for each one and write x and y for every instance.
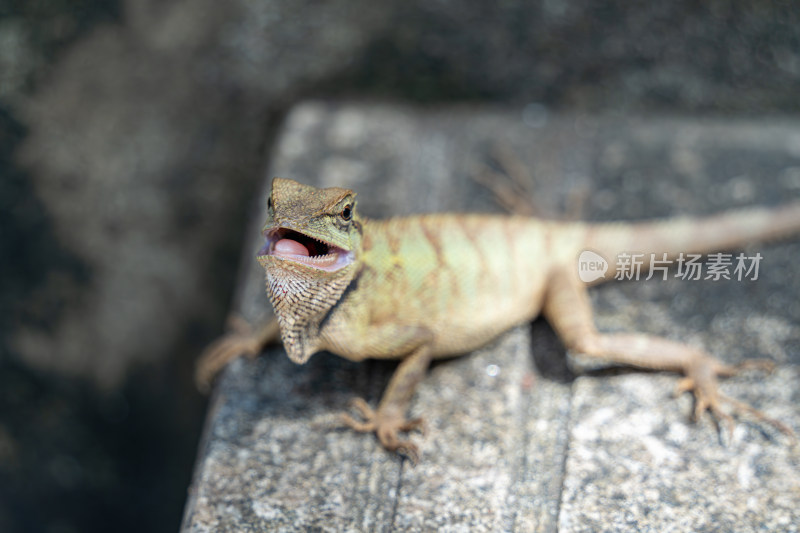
(514, 443)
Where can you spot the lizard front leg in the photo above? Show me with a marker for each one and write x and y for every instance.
(568, 310)
(390, 417)
(242, 340)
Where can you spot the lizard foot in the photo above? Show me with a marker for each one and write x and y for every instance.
(701, 380)
(241, 340)
(386, 425)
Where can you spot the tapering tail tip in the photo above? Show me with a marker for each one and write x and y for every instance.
(725, 231)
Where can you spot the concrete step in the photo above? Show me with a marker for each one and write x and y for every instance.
(515, 442)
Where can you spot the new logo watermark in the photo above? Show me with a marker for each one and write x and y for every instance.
(591, 266)
(631, 266)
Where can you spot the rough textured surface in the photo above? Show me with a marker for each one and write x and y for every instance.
(513, 442)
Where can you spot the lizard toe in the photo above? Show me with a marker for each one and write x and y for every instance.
(415, 424)
(363, 408)
(386, 425)
(356, 425)
(701, 381)
(387, 435)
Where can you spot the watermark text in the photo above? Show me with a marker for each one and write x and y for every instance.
(686, 266)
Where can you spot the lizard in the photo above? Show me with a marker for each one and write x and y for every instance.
(423, 287)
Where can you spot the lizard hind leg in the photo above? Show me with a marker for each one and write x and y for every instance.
(568, 310)
(512, 183)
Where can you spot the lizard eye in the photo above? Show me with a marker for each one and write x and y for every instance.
(269, 203)
(347, 212)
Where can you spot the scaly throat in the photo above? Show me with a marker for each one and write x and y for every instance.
(305, 280)
(291, 245)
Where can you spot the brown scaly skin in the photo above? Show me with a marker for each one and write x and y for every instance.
(431, 286)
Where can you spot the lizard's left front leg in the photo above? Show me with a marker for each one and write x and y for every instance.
(242, 340)
(390, 416)
(568, 310)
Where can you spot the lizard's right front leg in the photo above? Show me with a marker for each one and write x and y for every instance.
(390, 417)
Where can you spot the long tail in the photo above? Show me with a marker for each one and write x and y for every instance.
(696, 235)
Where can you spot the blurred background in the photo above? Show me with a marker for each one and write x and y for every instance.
(133, 138)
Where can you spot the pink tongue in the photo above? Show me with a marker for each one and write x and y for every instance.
(290, 247)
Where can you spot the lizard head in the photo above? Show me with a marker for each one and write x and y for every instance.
(312, 241)
(316, 229)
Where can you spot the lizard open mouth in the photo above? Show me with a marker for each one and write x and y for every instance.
(294, 246)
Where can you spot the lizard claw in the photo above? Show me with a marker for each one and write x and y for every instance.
(386, 426)
(701, 380)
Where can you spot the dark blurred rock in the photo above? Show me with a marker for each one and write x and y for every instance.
(716, 55)
(144, 144)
